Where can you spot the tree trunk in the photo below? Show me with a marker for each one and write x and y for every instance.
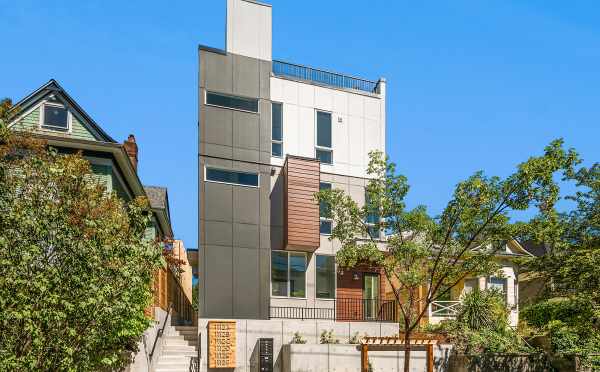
(406, 351)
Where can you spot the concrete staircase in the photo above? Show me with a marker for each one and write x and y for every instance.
(179, 346)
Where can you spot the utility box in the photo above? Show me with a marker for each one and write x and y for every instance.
(262, 361)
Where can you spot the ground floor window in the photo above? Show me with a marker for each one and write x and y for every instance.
(325, 282)
(500, 284)
(288, 274)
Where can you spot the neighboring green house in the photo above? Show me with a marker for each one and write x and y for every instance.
(51, 114)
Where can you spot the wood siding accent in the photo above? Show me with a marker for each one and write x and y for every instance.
(351, 290)
(301, 210)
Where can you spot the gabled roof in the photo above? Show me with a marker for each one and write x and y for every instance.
(159, 202)
(53, 86)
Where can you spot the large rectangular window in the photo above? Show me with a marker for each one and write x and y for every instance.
(232, 177)
(324, 219)
(277, 129)
(323, 150)
(288, 274)
(56, 118)
(232, 102)
(325, 282)
(500, 284)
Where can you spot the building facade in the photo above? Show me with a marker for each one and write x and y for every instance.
(271, 134)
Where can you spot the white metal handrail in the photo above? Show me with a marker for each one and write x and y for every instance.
(445, 309)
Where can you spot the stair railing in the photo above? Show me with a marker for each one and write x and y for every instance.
(160, 332)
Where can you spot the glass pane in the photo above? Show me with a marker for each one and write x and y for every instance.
(277, 120)
(325, 156)
(497, 283)
(239, 103)
(325, 277)
(277, 149)
(55, 117)
(325, 227)
(297, 275)
(371, 286)
(323, 207)
(374, 232)
(471, 284)
(323, 129)
(240, 178)
(279, 270)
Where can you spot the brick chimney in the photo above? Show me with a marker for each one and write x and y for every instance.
(132, 150)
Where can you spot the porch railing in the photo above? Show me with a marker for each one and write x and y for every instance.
(342, 309)
(444, 309)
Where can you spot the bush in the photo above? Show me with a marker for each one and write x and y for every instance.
(482, 326)
(297, 339)
(327, 337)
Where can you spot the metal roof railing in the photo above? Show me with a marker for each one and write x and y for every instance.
(323, 77)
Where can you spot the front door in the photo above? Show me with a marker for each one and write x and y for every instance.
(370, 295)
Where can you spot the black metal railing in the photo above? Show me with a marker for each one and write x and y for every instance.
(323, 77)
(342, 309)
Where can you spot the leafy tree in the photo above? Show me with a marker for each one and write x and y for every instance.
(75, 270)
(437, 253)
(568, 310)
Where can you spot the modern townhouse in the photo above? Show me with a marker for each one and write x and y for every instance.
(271, 135)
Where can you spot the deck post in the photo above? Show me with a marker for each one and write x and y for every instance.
(429, 357)
(364, 358)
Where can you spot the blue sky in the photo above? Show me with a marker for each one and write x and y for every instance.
(472, 84)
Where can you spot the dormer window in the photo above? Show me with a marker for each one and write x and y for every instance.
(55, 118)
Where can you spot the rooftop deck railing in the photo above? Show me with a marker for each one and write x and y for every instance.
(323, 77)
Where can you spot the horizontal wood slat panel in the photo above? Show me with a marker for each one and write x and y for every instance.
(302, 178)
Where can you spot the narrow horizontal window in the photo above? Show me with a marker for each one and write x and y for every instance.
(233, 102)
(325, 156)
(55, 118)
(233, 177)
(277, 149)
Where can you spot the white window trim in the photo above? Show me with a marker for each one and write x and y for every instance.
(41, 125)
(334, 278)
(274, 140)
(232, 108)
(288, 276)
(231, 183)
(323, 148)
(505, 289)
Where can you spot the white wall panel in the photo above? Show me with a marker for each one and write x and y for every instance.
(249, 29)
(290, 91)
(306, 95)
(306, 135)
(290, 129)
(323, 99)
(356, 105)
(372, 108)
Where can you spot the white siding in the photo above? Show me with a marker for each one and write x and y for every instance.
(249, 29)
(358, 123)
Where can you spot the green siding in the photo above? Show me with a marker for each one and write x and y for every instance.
(103, 175)
(79, 130)
(119, 188)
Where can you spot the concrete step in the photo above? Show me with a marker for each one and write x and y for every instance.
(179, 352)
(173, 360)
(181, 342)
(181, 337)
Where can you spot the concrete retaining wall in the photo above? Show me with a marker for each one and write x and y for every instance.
(500, 363)
(337, 358)
(282, 331)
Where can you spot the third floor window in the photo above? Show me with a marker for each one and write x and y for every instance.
(323, 150)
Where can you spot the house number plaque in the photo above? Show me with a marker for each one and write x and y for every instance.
(221, 344)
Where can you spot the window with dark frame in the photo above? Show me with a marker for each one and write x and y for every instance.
(323, 150)
(276, 129)
(232, 102)
(325, 282)
(288, 274)
(372, 219)
(325, 224)
(56, 118)
(232, 177)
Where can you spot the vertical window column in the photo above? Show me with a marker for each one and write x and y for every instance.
(324, 150)
(276, 129)
(325, 283)
(324, 220)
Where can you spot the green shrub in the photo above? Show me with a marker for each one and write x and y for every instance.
(327, 337)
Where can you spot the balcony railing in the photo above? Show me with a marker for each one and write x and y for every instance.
(327, 78)
(444, 309)
(342, 309)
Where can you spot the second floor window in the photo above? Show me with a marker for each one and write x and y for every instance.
(372, 219)
(325, 221)
(231, 177)
(323, 150)
(277, 129)
(55, 118)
